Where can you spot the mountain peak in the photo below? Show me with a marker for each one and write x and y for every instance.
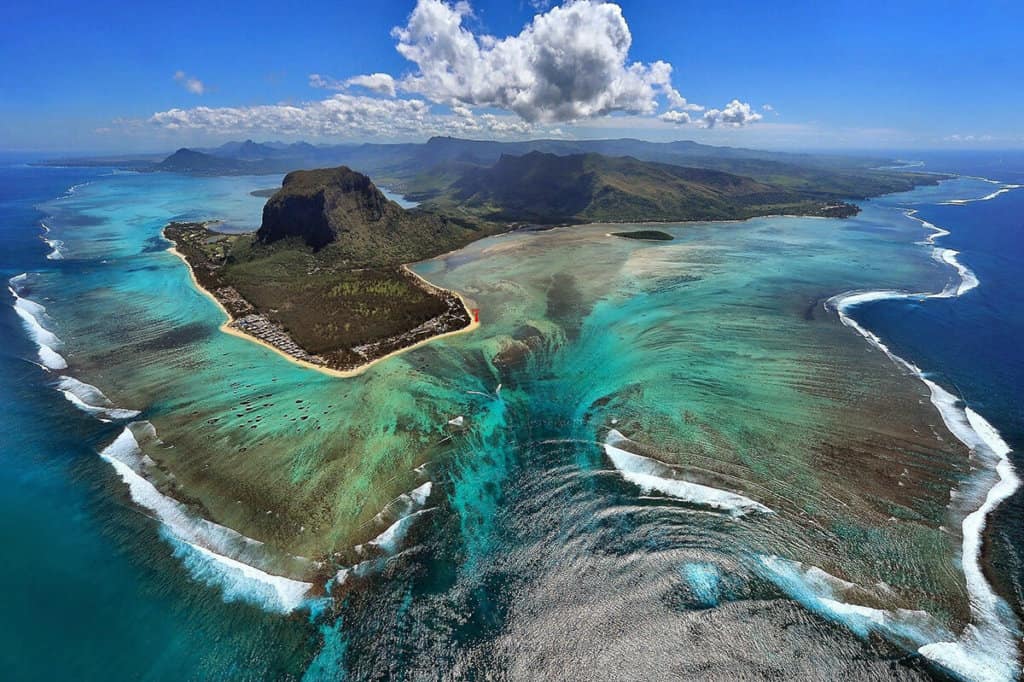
(318, 205)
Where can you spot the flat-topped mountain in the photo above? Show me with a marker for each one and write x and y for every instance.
(320, 205)
(342, 213)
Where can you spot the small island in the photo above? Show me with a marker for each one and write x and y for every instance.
(645, 235)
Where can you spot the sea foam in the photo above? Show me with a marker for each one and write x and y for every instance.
(91, 400)
(400, 514)
(393, 535)
(403, 512)
(988, 647)
(212, 553)
(830, 596)
(973, 656)
(988, 197)
(56, 249)
(56, 245)
(31, 314)
(650, 475)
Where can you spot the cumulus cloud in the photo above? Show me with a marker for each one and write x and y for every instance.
(190, 83)
(736, 114)
(325, 82)
(381, 83)
(568, 63)
(342, 115)
(677, 101)
(376, 82)
(680, 117)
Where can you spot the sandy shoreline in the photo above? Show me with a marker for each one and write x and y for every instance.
(339, 373)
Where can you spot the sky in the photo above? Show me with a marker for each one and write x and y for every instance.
(133, 77)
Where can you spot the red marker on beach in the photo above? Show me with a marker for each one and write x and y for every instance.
(476, 314)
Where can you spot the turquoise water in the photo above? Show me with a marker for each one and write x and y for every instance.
(771, 458)
(95, 593)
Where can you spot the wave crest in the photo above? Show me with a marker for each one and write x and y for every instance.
(987, 649)
(31, 314)
(214, 554)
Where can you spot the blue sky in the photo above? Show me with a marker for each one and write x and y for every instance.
(120, 76)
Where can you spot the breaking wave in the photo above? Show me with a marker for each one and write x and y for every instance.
(652, 475)
(988, 197)
(91, 400)
(56, 245)
(31, 314)
(402, 512)
(987, 649)
(212, 553)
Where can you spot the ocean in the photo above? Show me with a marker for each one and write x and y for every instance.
(677, 459)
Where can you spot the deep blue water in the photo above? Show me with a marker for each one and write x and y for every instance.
(974, 342)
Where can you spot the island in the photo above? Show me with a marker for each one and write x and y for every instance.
(326, 281)
(645, 235)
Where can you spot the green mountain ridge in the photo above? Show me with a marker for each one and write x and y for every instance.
(323, 277)
(342, 213)
(547, 188)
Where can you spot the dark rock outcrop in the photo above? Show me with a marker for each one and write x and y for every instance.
(319, 205)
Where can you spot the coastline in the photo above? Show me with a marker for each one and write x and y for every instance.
(984, 442)
(337, 373)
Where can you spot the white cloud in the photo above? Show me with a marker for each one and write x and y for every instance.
(342, 115)
(325, 82)
(567, 64)
(680, 117)
(677, 101)
(570, 64)
(960, 139)
(190, 83)
(736, 114)
(768, 107)
(381, 83)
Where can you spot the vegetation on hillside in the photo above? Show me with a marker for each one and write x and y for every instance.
(551, 189)
(646, 235)
(326, 268)
(324, 278)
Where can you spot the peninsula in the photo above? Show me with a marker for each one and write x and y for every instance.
(325, 281)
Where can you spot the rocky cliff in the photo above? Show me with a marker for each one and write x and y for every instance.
(342, 215)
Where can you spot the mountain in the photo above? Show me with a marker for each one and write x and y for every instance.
(547, 188)
(425, 171)
(251, 151)
(248, 157)
(317, 206)
(323, 279)
(193, 162)
(342, 213)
